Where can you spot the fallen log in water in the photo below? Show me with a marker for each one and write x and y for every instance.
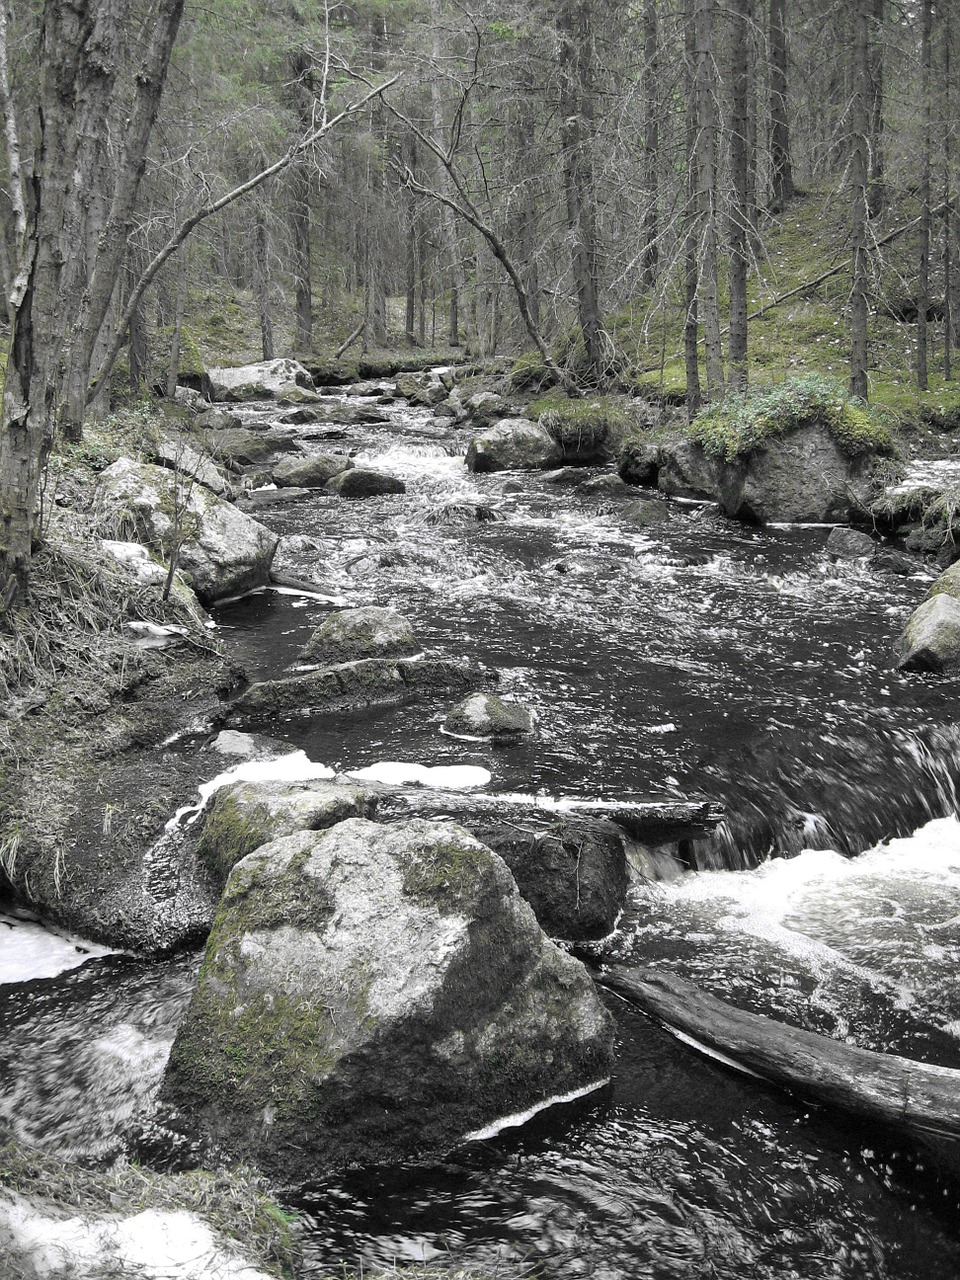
(912, 1097)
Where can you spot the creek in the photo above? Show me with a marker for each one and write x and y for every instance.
(684, 658)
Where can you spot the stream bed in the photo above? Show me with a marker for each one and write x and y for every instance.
(683, 658)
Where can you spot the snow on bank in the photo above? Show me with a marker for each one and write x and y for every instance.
(151, 1245)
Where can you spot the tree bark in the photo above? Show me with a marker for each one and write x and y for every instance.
(299, 186)
(706, 152)
(876, 189)
(577, 73)
(780, 157)
(651, 144)
(739, 224)
(67, 294)
(261, 241)
(926, 146)
(859, 207)
(691, 276)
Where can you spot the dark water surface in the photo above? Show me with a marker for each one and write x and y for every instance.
(689, 657)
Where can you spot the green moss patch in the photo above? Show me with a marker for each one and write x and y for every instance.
(583, 426)
(740, 424)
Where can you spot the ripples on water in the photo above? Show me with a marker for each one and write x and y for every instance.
(689, 657)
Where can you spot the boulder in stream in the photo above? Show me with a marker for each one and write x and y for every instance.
(372, 993)
(801, 477)
(223, 552)
(367, 632)
(513, 444)
(931, 638)
(242, 816)
(311, 472)
(362, 482)
(484, 715)
(267, 380)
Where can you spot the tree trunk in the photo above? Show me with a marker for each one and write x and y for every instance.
(691, 278)
(916, 1098)
(69, 275)
(651, 144)
(859, 209)
(577, 56)
(299, 217)
(706, 151)
(780, 158)
(741, 21)
(949, 281)
(180, 306)
(876, 188)
(926, 143)
(261, 242)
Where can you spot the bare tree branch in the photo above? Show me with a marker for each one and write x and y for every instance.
(215, 206)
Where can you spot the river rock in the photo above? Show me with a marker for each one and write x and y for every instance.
(850, 544)
(422, 388)
(361, 482)
(609, 484)
(647, 512)
(224, 552)
(484, 715)
(931, 638)
(241, 447)
(353, 686)
(267, 380)
(245, 815)
(367, 632)
(513, 444)
(485, 408)
(948, 584)
(373, 993)
(639, 463)
(312, 472)
(179, 456)
(801, 477)
(214, 419)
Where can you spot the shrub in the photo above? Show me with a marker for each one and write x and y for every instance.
(742, 423)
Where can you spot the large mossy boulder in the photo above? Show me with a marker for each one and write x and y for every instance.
(514, 444)
(803, 476)
(221, 551)
(367, 632)
(268, 380)
(374, 993)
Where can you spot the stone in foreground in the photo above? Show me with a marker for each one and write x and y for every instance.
(373, 993)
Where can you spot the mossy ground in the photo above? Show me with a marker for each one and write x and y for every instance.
(806, 333)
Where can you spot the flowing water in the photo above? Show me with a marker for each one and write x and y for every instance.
(681, 658)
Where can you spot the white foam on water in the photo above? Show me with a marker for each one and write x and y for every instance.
(295, 767)
(30, 950)
(522, 1117)
(457, 777)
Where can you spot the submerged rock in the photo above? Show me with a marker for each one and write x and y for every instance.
(484, 715)
(850, 544)
(513, 444)
(223, 552)
(374, 993)
(352, 686)
(367, 632)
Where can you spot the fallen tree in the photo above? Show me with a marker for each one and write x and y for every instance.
(915, 1098)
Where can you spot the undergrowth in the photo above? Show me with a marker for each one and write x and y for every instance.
(740, 424)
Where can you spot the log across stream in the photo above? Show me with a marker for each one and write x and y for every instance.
(915, 1098)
